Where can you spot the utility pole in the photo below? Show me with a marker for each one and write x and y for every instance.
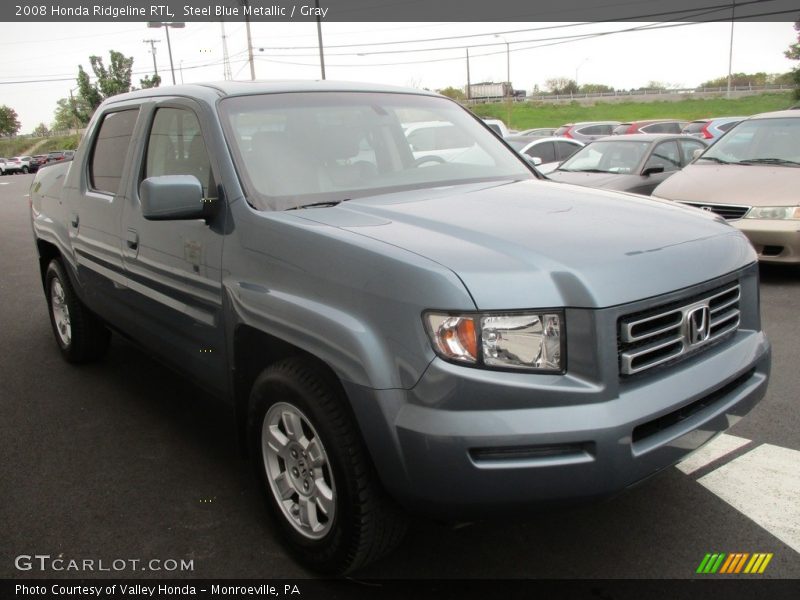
(167, 25)
(730, 51)
(469, 85)
(319, 39)
(153, 52)
(246, 5)
(74, 110)
(226, 61)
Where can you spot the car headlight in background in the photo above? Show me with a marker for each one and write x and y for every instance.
(525, 341)
(773, 212)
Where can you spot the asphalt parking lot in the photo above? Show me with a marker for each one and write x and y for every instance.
(127, 460)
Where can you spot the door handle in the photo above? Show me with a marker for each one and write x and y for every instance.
(133, 239)
(74, 219)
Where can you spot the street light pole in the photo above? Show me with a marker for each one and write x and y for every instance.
(166, 25)
(578, 68)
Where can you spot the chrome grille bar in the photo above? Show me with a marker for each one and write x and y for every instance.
(726, 211)
(663, 335)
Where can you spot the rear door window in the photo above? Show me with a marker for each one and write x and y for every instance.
(110, 150)
(564, 150)
(544, 151)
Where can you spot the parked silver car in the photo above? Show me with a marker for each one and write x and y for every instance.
(587, 131)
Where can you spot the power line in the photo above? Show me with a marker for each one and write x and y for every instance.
(684, 14)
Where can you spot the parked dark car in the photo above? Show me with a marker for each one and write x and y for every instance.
(633, 163)
(59, 155)
(37, 161)
(650, 126)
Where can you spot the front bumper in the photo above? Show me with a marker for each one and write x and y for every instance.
(466, 442)
(775, 241)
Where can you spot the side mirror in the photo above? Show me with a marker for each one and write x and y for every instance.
(534, 160)
(652, 170)
(174, 197)
(696, 154)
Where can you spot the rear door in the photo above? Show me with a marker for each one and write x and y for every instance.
(173, 267)
(94, 213)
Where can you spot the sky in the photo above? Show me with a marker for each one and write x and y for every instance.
(678, 54)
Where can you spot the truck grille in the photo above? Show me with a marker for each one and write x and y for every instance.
(726, 211)
(670, 332)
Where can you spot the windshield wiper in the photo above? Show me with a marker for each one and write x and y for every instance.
(768, 161)
(715, 159)
(319, 204)
(590, 171)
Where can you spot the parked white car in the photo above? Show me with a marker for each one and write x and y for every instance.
(547, 152)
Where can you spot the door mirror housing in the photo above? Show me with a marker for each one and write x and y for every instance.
(696, 154)
(534, 160)
(652, 170)
(175, 197)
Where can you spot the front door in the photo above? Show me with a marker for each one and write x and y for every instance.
(173, 267)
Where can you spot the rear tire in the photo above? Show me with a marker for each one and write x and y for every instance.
(322, 488)
(80, 334)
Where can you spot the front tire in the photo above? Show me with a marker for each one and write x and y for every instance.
(321, 486)
(81, 336)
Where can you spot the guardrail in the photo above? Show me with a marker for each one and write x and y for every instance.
(632, 93)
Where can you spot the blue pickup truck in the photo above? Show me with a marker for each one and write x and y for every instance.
(404, 326)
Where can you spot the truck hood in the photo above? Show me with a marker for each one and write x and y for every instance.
(538, 244)
(751, 185)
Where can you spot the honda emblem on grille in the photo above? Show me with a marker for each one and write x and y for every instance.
(699, 325)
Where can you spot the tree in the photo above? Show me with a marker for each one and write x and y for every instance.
(71, 113)
(116, 79)
(595, 88)
(9, 122)
(793, 53)
(454, 93)
(41, 130)
(561, 86)
(150, 82)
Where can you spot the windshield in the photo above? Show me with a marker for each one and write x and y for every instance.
(774, 141)
(297, 149)
(607, 157)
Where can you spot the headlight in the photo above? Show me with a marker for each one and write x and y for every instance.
(773, 212)
(524, 341)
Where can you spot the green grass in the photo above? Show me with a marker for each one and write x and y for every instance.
(15, 146)
(67, 142)
(26, 146)
(528, 115)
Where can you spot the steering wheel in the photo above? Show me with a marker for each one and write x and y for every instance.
(430, 158)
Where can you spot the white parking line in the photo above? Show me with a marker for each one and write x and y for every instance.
(717, 448)
(764, 485)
